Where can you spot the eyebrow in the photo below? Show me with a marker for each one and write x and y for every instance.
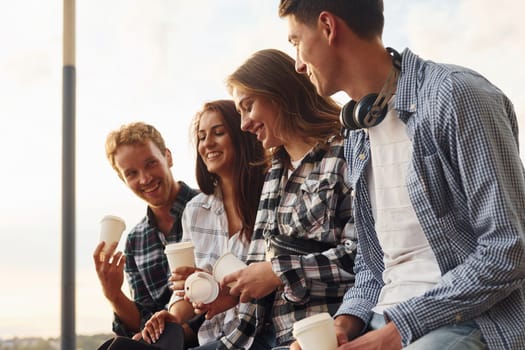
(243, 100)
(216, 126)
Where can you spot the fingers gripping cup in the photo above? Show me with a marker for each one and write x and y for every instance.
(180, 254)
(226, 264)
(201, 287)
(316, 332)
(111, 228)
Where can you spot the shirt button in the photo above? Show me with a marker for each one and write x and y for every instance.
(362, 156)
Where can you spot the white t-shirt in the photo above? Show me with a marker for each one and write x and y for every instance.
(410, 264)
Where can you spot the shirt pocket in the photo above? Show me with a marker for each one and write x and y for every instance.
(313, 213)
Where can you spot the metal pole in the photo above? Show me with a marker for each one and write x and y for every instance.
(68, 334)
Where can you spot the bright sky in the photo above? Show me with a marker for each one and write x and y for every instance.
(158, 61)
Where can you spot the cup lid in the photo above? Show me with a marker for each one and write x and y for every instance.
(238, 263)
(112, 217)
(311, 321)
(178, 246)
(201, 287)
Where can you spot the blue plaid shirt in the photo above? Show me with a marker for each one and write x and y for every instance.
(146, 267)
(467, 185)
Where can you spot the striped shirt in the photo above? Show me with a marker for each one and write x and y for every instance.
(467, 185)
(312, 203)
(147, 270)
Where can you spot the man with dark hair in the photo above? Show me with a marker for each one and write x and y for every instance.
(439, 187)
(138, 154)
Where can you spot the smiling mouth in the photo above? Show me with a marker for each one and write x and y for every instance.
(258, 131)
(152, 187)
(212, 155)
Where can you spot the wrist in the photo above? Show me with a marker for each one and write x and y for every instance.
(351, 325)
(117, 298)
(277, 282)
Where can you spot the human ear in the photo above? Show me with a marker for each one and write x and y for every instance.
(169, 158)
(328, 25)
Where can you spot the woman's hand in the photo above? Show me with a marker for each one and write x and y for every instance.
(253, 282)
(223, 302)
(179, 276)
(154, 327)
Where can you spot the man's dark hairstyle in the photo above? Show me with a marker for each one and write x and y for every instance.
(363, 17)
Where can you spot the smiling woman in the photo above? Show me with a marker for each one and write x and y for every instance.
(157, 65)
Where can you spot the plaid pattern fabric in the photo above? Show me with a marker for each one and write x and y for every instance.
(467, 185)
(147, 270)
(205, 223)
(313, 203)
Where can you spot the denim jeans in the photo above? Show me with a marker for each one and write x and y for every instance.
(457, 336)
(263, 341)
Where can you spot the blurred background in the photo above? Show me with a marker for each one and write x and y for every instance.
(158, 61)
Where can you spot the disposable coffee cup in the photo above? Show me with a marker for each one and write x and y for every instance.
(226, 264)
(111, 228)
(316, 332)
(201, 287)
(180, 254)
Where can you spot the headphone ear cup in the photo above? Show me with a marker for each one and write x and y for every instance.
(346, 116)
(362, 109)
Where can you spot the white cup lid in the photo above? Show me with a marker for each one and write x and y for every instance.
(112, 217)
(201, 287)
(178, 246)
(311, 321)
(219, 270)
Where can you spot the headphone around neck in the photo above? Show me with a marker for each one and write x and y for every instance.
(371, 109)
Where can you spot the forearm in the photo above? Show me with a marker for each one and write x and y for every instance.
(362, 297)
(182, 311)
(314, 274)
(126, 311)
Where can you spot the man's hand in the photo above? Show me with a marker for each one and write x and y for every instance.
(110, 270)
(385, 338)
(346, 327)
(253, 282)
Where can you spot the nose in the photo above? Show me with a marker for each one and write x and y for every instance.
(208, 141)
(144, 177)
(246, 122)
(300, 67)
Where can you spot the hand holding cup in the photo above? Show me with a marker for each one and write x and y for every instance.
(111, 229)
(316, 332)
(226, 264)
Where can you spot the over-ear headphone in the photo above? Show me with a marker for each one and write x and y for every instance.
(371, 109)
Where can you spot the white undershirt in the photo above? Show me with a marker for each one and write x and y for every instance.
(410, 265)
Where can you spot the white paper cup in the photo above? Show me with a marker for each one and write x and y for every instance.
(111, 228)
(225, 265)
(316, 332)
(201, 287)
(180, 254)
